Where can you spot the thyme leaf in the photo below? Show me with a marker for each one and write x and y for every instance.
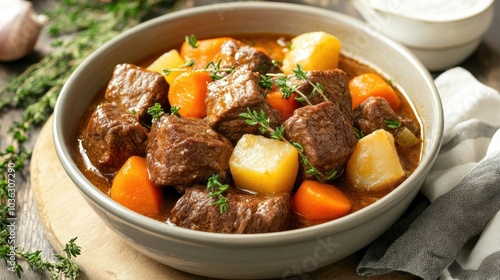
(192, 41)
(174, 110)
(317, 88)
(391, 123)
(266, 82)
(213, 68)
(288, 88)
(217, 189)
(64, 265)
(156, 111)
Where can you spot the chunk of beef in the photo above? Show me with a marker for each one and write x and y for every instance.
(230, 96)
(112, 136)
(246, 213)
(335, 88)
(185, 151)
(137, 89)
(373, 113)
(327, 138)
(234, 53)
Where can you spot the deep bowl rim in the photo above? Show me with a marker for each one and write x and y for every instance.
(236, 240)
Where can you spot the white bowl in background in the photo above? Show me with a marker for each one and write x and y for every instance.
(249, 256)
(440, 41)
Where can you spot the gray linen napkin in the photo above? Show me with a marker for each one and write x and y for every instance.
(457, 235)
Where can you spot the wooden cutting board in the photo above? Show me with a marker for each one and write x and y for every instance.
(64, 215)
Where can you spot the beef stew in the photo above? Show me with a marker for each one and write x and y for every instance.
(182, 153)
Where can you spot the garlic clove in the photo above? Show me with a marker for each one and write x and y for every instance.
(19, 29)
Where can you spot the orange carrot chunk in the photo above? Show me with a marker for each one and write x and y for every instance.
(204, 52)
(131, 188)
(285, 107)
(371, 84)
(189, 91)
(318, 201)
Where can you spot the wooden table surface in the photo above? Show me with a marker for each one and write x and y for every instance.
(484, 64)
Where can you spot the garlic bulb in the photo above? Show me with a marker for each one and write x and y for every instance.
(19, 29)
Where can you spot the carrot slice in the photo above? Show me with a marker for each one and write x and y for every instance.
(131, 188)
(318, 201)
(371, 84)
(204, 52)
(189, 91)
(285, 107)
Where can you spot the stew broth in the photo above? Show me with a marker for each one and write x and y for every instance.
(275, 46)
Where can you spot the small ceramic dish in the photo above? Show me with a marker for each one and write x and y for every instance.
(441, 34)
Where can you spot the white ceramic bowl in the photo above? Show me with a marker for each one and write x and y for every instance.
(440, 41)
(251, 256)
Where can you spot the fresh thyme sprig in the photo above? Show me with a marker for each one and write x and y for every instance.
(156, 110)
(12, 254)
(317, 88)
(213, 68)
(391, 123)
(181, 68)
(288, 88)
(192, 41)
(217, 189)
(65, 266)
(253, 117)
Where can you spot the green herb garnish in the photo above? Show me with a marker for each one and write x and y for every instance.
(287, 88)
(156, 111)
(213, 68)
(192, 41)
(357, 133)
(391, 123)
(216, 191)
(266, 82)
(174, 110)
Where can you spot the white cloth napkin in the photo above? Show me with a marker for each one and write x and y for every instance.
(456, 233)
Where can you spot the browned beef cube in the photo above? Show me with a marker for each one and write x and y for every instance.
(246, 213)
(112, 136)
(234, 53)
(327, 138)
(230, 96)
(335, 87)
(185, 151)
(137, 89)
(373, 113)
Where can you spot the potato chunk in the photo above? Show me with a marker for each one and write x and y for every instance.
(168, 60)
(313, 51)
(374, 163)
(264, 165)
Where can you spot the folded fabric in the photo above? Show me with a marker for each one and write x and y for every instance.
(454, 231)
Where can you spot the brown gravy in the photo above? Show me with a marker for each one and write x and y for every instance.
(410, 157)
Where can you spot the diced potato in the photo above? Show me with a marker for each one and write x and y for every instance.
(313, 51)
(168, 60)
(374, 163)
(264, 165)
